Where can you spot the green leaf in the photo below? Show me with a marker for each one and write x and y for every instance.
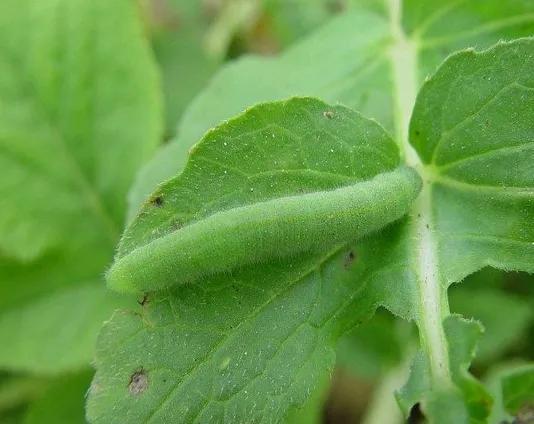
(177, 32)
(349, 60)
(472, 126)
(64, 92)
(62, 402)
(222, 366)
(243, 348)
(499, 334)
(79, 113)
(518, 391)
(41, 337)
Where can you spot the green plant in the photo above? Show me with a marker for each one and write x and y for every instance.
(252, 253)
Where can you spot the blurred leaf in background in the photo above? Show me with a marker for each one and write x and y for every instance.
(193, 38)
(177, 30)
(79, 113)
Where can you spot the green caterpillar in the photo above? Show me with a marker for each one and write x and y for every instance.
(265, 230)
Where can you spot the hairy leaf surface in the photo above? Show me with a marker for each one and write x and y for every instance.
(201, 351)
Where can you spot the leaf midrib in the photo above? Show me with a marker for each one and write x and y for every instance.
(404, 61)
(432, 306)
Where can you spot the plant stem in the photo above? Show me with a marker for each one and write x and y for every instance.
(433, 301)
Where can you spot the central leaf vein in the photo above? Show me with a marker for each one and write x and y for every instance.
(432, 304)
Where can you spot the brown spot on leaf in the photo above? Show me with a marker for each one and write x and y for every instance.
(157, 201)
(350, 257)
(328, 114)
(138, 382)
(144, 300)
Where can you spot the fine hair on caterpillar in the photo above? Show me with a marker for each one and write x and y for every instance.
(261, 231)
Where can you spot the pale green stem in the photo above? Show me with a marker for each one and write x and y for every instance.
(234, 15)
(433, 301)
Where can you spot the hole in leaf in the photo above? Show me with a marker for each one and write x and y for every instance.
(416, 415)
(328, 114)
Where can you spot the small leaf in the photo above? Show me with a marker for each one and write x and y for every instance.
(518, 392)
(467, 400)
